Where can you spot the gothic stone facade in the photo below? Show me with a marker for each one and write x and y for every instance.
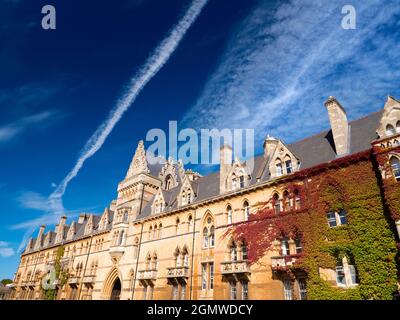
(165, 236)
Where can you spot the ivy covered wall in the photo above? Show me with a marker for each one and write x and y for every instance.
(352, 184)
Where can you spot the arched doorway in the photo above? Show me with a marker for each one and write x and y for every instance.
(116, 290)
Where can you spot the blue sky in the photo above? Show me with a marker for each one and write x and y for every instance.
(267, 65)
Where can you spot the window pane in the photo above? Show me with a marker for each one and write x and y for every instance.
(288, 166)
(395, 163)
(211, 275)
(353, 274)
(233, 290)
(205, 238)
(212, 237)
(287, 286)
(175, 292)
(244, 252)
(331, 219)
(203, 276)
(343, 217)
(299, 248)
(285, 247)
(278, 170)
(340, 278)
(302, 289)
(245, 290)
(241, 179)
(183, 292)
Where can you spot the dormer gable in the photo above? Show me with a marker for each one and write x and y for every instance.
(169, 175)
(187, 193)
(105, 219)
(47, 239)
(89, 225)
(159, 202)
(389, 125)
(139, 161)
(238, 176)
(279, 159)
(72, 231)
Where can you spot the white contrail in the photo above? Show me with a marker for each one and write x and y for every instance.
(153, 64)
(150, 68)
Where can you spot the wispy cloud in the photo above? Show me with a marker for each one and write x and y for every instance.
(154, 63)
(6, 250)
(284, 61)
(51, 213)
(13, 129)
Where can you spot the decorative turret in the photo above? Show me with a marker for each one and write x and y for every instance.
(139, 161)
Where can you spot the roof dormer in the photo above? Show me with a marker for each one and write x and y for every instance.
(238, 176)
(168, 175)
(159, 202)
(389, 124)
(187, 193)
(280, 160)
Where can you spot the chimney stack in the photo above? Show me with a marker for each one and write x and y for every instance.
(270, 144)
(60, 229)
(39, 238)
(339, 125)
(225, 164)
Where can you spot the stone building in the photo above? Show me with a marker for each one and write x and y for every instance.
(166, 236)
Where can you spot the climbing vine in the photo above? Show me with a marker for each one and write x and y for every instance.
(349, 184)
(60, 275)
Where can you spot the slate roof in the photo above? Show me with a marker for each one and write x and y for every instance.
(310, 151)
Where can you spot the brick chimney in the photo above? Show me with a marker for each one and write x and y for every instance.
(225, 164)
(339, 125)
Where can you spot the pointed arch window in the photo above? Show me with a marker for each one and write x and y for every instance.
(177, 226)
(168, 182)
(285, 246)
(286, 201)
(276, 203)
(278, 168)
(160, 231)
(229, 214)
(288, 165)
(297, 199)
(234, 182)
(233, 251)
(212, 236)
(246, 209)
(390, 130)
(205, 237)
